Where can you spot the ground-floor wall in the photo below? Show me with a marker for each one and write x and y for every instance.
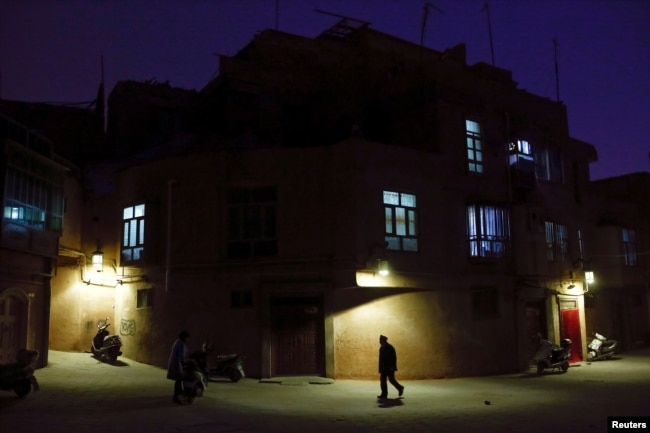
(435, 331)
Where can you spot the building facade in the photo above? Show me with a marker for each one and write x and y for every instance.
(322, 191)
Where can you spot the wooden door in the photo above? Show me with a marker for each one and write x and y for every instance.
(570, 317)
(297, 331)
(12, 327)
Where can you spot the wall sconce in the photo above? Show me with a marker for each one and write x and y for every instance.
(589, 277)
(98, 258)
(382, 267)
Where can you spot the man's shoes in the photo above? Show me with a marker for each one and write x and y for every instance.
(382, 397)
(401, 391)
(177, 400)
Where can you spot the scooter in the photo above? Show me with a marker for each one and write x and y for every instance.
(552, 356)
(19, 376)
(195, 375)
(230, 366)
(106, 346)
(600, 347)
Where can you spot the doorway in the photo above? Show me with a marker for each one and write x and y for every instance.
(298, 336)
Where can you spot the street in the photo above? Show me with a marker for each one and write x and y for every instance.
(80, 394)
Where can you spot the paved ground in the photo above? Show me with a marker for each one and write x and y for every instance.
(80, 394)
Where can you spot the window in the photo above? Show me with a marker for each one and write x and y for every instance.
(557, 241)
(629, 247)
(485, 303)
(399, 210)
(548, 164)
(34, 196)
(145, 298)
(474, 146)
(241, 299)
(251, 222)
(133, 233)
(488, 231)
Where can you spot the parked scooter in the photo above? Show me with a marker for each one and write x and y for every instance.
(549, 355)
(230, 366)
(106, 346)
(19, 376)
(195, 375)
(600, 347)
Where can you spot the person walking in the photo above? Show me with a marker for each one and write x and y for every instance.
(387, 367)
(175, 365)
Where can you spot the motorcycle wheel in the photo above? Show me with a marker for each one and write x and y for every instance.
(23, 389)
(565, 366)
(540, 367)
(234, 375)
(591, 355)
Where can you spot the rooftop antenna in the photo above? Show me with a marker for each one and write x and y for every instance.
(425, 15)
(320, 11)
(557, 74)
(486, 8)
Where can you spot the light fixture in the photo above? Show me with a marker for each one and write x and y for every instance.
(98, 258)
(382, 267)
(589, 277)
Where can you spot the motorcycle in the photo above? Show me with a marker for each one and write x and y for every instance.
(106, 346)
(600, 347)
(19, 376)
(552, 356)
(230, 366)
(195, 375)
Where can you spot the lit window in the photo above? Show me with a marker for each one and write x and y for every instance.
(629, 247)
(400, 216)
(557, 241)
(34, 196)
(251, 222)
(133, 233)
(488, 231)
(474, 146)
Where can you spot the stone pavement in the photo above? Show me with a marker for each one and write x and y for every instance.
(80, 394)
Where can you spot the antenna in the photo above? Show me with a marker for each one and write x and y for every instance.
(425, 15)
(557, 75)
(486, 8)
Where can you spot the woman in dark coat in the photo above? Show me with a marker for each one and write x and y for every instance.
(175, 365)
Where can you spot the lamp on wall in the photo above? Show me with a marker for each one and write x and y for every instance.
(589, 277)
(382, 267)
(98, 258)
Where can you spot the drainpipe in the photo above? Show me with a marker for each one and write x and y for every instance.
(170, 182)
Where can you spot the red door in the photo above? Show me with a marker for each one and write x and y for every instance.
(571, 330)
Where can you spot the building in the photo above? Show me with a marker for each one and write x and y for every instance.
(322, 191)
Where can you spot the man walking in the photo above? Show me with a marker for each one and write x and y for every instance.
(387, 367)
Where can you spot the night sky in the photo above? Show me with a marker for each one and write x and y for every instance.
(51, 50)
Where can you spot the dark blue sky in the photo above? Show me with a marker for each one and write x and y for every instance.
(50, 50)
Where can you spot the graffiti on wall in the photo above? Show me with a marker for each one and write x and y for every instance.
(127, 327)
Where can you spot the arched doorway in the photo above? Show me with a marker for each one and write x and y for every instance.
(13, 324)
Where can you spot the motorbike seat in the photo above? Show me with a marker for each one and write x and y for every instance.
(226, 357)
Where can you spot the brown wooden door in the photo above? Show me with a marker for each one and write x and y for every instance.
(297, 330)
(12, 328)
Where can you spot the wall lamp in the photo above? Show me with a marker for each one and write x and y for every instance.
(589, 277)
(382, 267)
(98, 258)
